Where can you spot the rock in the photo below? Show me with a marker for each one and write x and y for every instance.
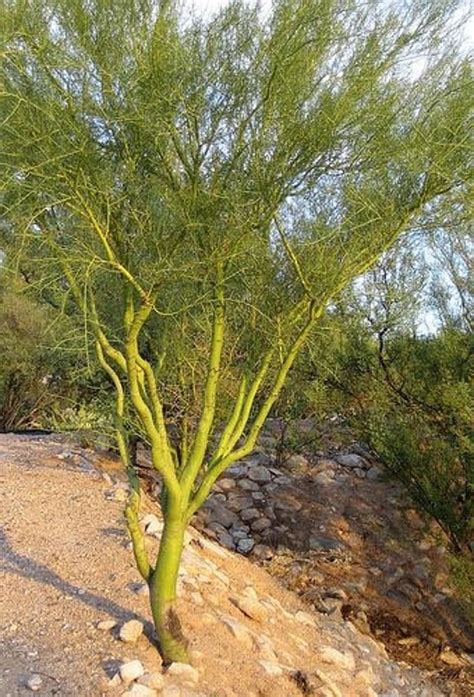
(239, 631)
(409, 641)
(282, 480)
(261, 524)
(248, 485)
(323, 479)
(250, 592)
(245, 545)
(216, 527)
(131, 631)
(259, 474)
(34, 682)
(120, 495)
(451, 658)
(114, 682)
(297, 462)
(305, 618)
(131, 671)
(220, 514)
(185, 672)
(352, 461)
(263, 552)
(332, 689)
(324, 543)
(252, 608)
(250, 514)
(106, 625)
(226, 484)
(240, 503)
(414, 519)
(375, 474)
(218, 498)
(154, 681)
(271, 668)
(345, 660)
(258, 495)
(171, 691)
(266, 649)
(152, 525)
(226, 540)
(288, 505)
(259, 459)
(139, 690)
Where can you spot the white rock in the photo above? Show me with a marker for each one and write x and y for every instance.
(131, 670)
(34, 682)
(226, 484)
(252, 608)
(271, 668)
(153, 680)
(240, 632)
(152, 525)
(171, 691)
(250, 592)
(106, 625)
(333, 690)
(345, 660)
(137, 690)
(184, 672)
(450, 658)
(131, 631)
(305, 618)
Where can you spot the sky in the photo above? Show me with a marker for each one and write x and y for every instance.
(466, 38)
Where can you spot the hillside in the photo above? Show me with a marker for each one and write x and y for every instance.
(68, 568)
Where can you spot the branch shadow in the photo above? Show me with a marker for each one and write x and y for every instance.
(21, 565)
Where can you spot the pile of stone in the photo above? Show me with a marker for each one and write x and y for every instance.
(248, 506)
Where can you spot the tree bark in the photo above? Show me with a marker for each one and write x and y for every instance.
(162, 584)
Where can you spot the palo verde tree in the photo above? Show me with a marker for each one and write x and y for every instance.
(203, 189)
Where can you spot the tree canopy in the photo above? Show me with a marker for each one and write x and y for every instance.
(203, 189)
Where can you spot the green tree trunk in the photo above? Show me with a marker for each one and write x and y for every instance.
(162, 584)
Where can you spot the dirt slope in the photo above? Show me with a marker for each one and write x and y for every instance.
(67, 566)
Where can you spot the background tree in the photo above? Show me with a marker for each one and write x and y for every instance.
(216, 184)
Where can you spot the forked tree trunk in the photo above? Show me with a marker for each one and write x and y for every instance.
(162, 585)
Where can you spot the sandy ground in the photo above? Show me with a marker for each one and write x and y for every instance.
(66, 566)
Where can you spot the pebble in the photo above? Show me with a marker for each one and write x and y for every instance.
(106, 625)
(131, 670)
(184, 672)
(252, 608)
(138, 690)
(305, 618)
(345, 660)
(352, 461)
(155, 681)
(248, 485)
(131, 631)
(250, 514)
(226, 484)
(152, 525)
(240, 632)
(261, 524)
(34, 682)
(245, 545)
(271, 668)
(259, 474)
(450, 658)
